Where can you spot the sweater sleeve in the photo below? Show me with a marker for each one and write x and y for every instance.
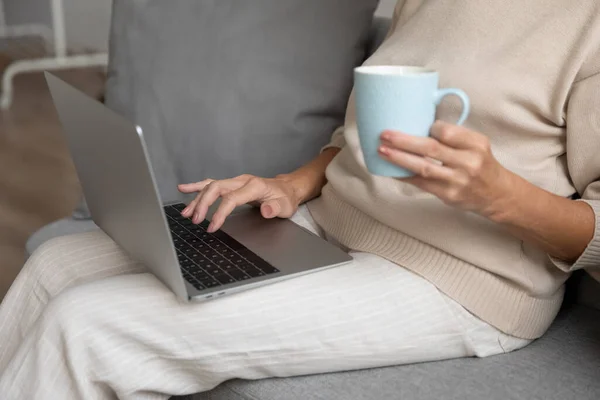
(583, 159)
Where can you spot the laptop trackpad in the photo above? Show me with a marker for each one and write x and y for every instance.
(282, 243)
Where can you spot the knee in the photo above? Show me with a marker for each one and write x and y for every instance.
(59, 250)
(101, 308)
(68, 314)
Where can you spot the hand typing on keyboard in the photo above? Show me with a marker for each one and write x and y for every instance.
(278, 197)
(208, 260)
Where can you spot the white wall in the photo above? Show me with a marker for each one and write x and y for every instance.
(88, 23)
(386, 7)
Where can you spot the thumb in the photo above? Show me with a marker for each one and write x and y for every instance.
(271, 209)
(281, 208)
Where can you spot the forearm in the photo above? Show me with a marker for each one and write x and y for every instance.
(308, 180)
(560, 226)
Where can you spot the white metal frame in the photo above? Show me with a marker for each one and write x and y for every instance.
(55, 41)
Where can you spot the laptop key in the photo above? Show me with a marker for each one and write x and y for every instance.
(269, 269)
(195, 228)
(207, 251)
(193, 268)
(217, 259)
(218, 246)
(209, 283)
(198, 285)
(203, 263)
(224, 279)
(178, 230)
(246, 253)
(253, 272)
(214, 270)
(238, 261)
(237, 274)
(185, 263)
(171, 211)
(201, 276)
(204, 224)
(227, 266)
(179, 206)
(263, 265)
(228, 240)
(186, 222)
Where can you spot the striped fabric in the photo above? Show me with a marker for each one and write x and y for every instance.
(83, 321)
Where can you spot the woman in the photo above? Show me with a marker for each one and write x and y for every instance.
(468, 258)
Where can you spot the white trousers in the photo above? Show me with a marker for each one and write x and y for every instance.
(83, 321)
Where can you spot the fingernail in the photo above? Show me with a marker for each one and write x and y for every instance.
(185, 210)
(386, 136)
(269, 211)
(211, 228)
(384, 150)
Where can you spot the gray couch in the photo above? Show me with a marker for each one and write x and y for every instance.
(564, 364)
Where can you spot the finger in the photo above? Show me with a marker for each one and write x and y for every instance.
(417, 164)
(210, 194)
(422, 146)
(189, 210)
(457, 136)
(194, 187)
(200, 186)
(277, 208)
(244, 195)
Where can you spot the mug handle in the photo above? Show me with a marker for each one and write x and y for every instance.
(441, 93)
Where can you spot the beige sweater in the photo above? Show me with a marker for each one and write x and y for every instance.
(532, 71)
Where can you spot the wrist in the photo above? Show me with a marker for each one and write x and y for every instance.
(299, 186)
(505, 206)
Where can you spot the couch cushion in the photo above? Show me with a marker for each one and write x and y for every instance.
(588, 292)
(564, 364)
(225, 87)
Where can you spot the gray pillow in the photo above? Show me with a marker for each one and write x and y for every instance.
(225, 87)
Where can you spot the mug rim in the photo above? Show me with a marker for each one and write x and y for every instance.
(394, 70)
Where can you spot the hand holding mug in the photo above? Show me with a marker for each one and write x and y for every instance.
(401, 102)
(469, 177)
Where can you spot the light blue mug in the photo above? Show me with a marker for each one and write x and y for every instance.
(397, 98)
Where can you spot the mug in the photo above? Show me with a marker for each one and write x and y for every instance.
(399, 98)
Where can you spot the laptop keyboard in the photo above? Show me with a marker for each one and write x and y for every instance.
(208, 260)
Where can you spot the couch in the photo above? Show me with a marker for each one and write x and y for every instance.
(562, 365)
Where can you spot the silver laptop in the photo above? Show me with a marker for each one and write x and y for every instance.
(114, 169)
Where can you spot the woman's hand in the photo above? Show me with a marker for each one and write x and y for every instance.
(469, 177)
(276, 198)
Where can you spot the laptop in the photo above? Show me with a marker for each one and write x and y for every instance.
(115, 172)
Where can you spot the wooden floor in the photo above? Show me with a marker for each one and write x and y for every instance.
(37, 180)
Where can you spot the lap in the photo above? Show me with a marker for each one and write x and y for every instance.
(369, 313)
(357, 316)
